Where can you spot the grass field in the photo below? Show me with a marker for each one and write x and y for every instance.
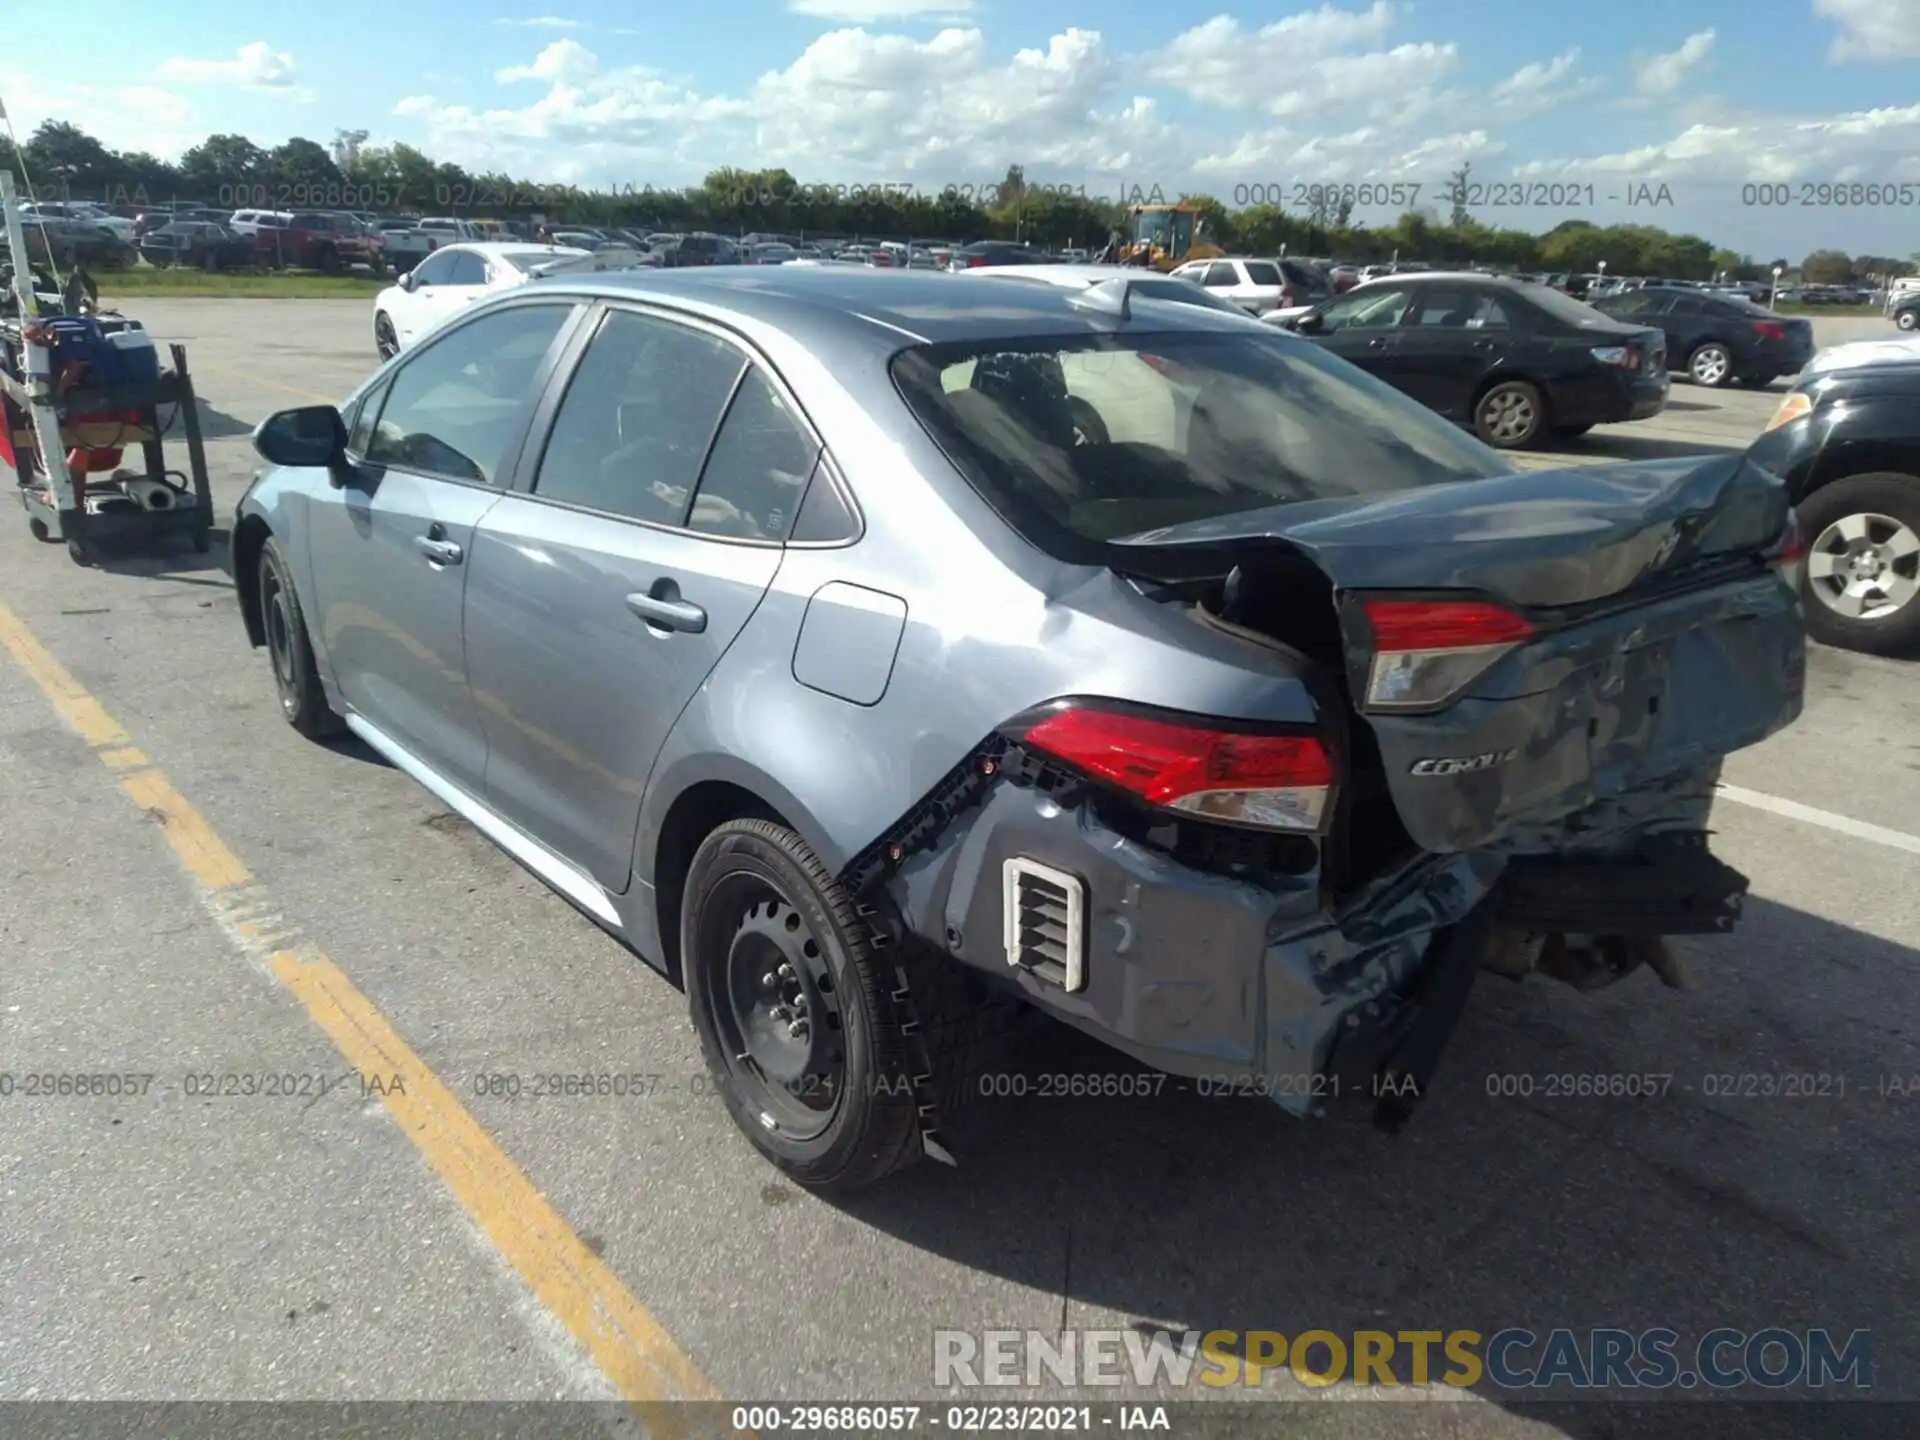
(198, 284)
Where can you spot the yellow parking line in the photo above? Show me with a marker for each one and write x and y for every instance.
(631, 1348)
(314, 395)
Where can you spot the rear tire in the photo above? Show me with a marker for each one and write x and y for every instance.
(1908, 319)
(756, 896)
(1875, 516)
(303, 700)
(1711, 365)
(1511, 415)
(1088, 426)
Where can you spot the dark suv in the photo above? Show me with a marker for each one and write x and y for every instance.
(1717, 339)
(702, 249)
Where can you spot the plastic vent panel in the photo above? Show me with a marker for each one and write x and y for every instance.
(1045, 919)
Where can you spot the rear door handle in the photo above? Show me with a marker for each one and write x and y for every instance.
(661, 606)
(440, 552)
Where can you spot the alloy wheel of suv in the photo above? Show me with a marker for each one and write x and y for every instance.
(1863, 566)
(1711, 365)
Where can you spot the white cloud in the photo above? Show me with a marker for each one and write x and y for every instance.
(417, 105)
(1223, 63)
(1879, 30)
(1859, 145)
(543, 22)
(875, 12)
(562, 62)
(135, 117)
(1658, 75)
(256, 65)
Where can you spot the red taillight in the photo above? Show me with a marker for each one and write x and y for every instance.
(1276, 782)
(1286, 296)
(1769, 330)
(1426, 651)
(974, 262)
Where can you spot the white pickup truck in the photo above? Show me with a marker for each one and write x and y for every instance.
(405, 246)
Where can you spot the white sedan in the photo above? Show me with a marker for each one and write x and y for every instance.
(452, 278)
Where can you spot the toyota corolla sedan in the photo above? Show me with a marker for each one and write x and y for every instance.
(790, 624)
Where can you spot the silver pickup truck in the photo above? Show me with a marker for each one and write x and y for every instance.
(406, 245)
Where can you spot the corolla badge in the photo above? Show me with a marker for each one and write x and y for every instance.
(1462, 764)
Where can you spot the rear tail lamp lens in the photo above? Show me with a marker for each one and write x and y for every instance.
(1425, 652)
(1272, 782)
(1790, 558)
(1624, 357)
(1769, 330)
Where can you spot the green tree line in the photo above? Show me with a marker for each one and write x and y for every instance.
(63, 161)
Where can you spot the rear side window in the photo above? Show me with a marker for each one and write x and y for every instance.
(1261, 272)
(639, 415)
(759, 468)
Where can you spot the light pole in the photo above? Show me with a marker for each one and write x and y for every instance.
(1601, 285)
(1773, 295)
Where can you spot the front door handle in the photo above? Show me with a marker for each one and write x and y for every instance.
(1379, 342)
(440, 552)
(662, 607)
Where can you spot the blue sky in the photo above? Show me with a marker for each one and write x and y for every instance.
(1704, 97)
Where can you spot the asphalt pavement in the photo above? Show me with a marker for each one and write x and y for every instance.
(199, 902)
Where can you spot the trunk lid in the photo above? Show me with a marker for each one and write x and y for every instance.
(1526, 646)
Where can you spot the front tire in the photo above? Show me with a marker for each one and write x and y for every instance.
(794, 1011)
(1510, 416)
(303, 700)
(1908, 319)
(1711, 365)
(1862, 579)
(384, 338)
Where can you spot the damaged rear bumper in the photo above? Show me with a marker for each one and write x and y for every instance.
(1263, 984)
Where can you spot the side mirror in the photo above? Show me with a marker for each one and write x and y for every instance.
(310, 437)
(1308, 324)
(407, 280)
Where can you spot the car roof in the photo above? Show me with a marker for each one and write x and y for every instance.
(833, 305)
(513, 247)
(1064, 274)
(1880, 375)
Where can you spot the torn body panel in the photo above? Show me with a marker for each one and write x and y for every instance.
(1254, 977)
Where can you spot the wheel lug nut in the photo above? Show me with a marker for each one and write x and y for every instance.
(769, 980)
(786, 971)
(797, 1030)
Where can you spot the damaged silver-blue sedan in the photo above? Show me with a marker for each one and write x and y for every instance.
(868, 651)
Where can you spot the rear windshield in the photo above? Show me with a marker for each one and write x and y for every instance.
(1099, 437)
(1567, 310)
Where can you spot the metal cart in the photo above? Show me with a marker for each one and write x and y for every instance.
(40, 425)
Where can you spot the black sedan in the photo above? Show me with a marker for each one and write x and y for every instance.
(1717, 339)
(1520, 363)
(1847, 442)
(198, 243)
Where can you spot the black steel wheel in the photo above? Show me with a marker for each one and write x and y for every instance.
(303, 700)
(384, 338)
(794, 1010)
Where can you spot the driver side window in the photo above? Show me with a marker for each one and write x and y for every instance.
(452, 409)
(436, 269)
(1366, 309)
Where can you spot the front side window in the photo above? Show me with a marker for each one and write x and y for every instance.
(1197, 425)
(1369, 309)
(468, 269)
(638, 417)
(436, 269)
(454, 407)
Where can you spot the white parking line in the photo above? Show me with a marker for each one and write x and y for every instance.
(1825, 819)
